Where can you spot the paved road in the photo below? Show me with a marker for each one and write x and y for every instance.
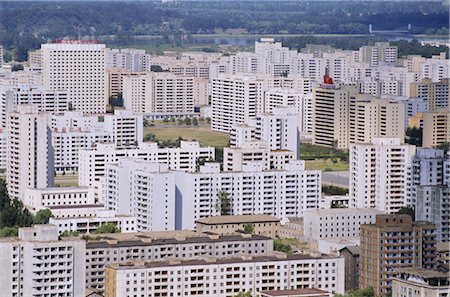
(336, 178)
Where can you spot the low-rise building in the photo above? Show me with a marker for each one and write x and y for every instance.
(225, 277)
(224, 225)
(308, 292)
(36, 199)
(89, 224)
(336, 222)
(420, 282)
(102, 250)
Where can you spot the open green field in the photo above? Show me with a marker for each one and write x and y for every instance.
(326, 164)
(204, 135)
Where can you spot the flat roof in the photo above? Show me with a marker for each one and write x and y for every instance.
(424, 273)
(170, 262)
(345, 211)
(142, 240)
(238, 219)
(296, 292)
(73, 206)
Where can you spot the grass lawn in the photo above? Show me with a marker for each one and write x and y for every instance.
(204, 135)
(322, 164)
(68, 180)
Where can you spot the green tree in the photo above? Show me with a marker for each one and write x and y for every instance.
(68, 233)
(42, 216)
(195, 122)
(407, 210)
(223, 204)
(279, 245)
(107, 228)
(244, 294)
(413, 136)
(249, 228)
(333, 190)
(187, 121)
(150, 137)
(9, 232)
(444, 146)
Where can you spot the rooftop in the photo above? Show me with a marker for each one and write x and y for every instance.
(276, 256)
(344, 211)
(238, 219)
(157, 238)
(297, 292)
(423, 273)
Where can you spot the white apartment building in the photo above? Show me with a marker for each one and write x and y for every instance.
(279, 193)
(29, 156)
(155, 246)
(429, 192)
(88, 225)
(115, 80)
(93, 161)
(159, 92)
(144, 190)
(279, 129)
(236, 98)
(380, 174)
(36, 199)
(234, 158)
(225, 277)
(67, 144)
(128, 58)
(125, 127)
(45, 100)
(78, 68)
(37, 263)
(381, 52)
(339, 223)
(3, 150)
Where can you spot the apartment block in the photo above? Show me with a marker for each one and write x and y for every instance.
(88, 225)
(236, 98)
(225, 277)
(435, 93)
(225, 225)
(126, 128)
(29, 154)
(64, 67)
(338, 223)
(37, 263)
(419, 282)
(142, 189)
(159, 92)
(128, 58)
(331, 109)
(392, 243)
(436, 128)
(115, 78)
(92, 161)
(381, 52)
(376, 118)
(104, 250)
(379, 174)
(256, 151)
(279, 193)
(46, 100)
